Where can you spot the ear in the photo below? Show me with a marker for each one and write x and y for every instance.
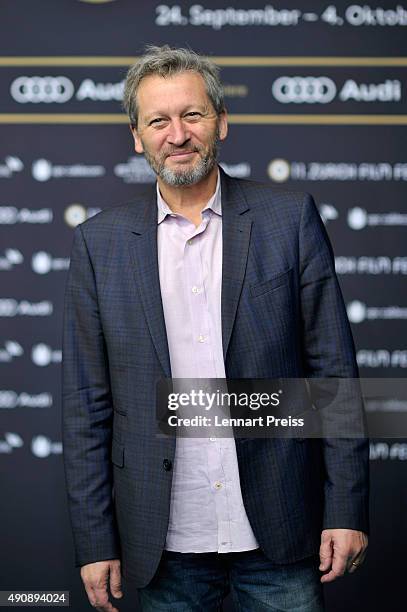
(223, 125)
(138, 146)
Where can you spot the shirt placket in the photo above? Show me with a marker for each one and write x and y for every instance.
(205, 365)
(197, 300)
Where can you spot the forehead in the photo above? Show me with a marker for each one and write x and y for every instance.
(156, 92)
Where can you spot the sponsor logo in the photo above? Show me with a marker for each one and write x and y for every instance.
(359, 312)
(11, 350)
(42, 447)
(10, 215)
(42, 263)
(9, 307)
(389, 91)
(383, 451)
(10, 399)
(43, 170)
(77, 213)
(11, 441)
(382, 358)
(241, 170)
(42, 355)
(304, 90)
(11, 258)
(46, 89)
(101, 92)
(358, 218)
(371, 265)
(60, 89)
(323, 90)
(135, 170)
(11, 165)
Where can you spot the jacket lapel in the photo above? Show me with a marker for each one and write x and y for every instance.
(143, 252)
(236, 229)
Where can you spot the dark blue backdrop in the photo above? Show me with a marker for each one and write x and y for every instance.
(317, 102)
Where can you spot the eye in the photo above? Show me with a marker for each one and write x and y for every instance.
(193, 115)
(156, 121)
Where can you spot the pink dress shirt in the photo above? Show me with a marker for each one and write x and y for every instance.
(207, 512)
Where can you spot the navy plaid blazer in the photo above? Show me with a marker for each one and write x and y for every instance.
(282, 316)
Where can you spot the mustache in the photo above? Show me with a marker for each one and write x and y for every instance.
(181, 150)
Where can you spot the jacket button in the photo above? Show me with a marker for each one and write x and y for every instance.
(167, 465)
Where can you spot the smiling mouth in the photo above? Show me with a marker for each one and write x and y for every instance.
(182, 153)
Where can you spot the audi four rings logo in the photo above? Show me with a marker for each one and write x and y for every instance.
(300, 90)
(46, 89)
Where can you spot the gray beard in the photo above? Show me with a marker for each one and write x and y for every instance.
(186, 177)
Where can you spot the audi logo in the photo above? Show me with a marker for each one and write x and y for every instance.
(300, 90)
(38, 89)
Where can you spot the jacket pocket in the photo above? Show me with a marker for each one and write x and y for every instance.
(117, 455)
(273, 283)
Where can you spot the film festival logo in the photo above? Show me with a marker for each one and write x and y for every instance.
(365, 264)
(280, 170)
(382, 358)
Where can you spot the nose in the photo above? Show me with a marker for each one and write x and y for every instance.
(178, 133)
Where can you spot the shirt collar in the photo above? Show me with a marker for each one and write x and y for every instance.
(214, 204)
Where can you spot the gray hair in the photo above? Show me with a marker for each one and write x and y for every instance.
(166, 61)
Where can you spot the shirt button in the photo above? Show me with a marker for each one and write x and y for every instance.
(218, 485)
(201, 338)
(167, 465)
(189, 241)
(212, 439)
(195, 289)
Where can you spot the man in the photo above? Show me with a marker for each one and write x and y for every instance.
(204, 276)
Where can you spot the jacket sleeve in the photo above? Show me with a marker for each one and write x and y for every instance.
(328, 352)
(87, 414)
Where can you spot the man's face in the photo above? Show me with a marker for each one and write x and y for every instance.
(178, 129)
